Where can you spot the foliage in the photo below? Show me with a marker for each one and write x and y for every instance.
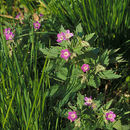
(36, 84)
(92, 116)
(81, 52)
(23, 86)
(108, 19)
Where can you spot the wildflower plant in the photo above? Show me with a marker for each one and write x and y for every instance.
(75, 65)
(88, 64)
(84, 116)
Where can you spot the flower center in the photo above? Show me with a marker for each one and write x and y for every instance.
(66, 54)
(61, 37)
(85, 67)
(8, 32)
(110, 116)
(67, 35)
(10, 37)
(89, 101)
(36, 25)
(73, 115)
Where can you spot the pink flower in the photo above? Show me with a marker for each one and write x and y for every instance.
(88, 101)
(41, 15)
(85, 67)
(72, 115)
(18, 16)
(110, 116)
(68, 35)
(65, 54)
(9, 36)
(61, 37)
(36, 25)
(7, 31)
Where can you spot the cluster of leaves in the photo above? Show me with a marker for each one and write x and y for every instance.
(108, 19)
(91, 117)
(66, 76)
(81, 52)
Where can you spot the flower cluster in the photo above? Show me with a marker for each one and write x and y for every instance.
(65, 54)
(72, 115)
(8, 34)
(36, 25)
(64, 36)
(109, 116)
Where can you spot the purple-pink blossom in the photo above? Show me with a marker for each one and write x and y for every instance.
(72, 115)
(85, 67)
(65, 54)
(64, 36)
(61, 37)
(68, 34)
(18, 16)
(9, 36)
(88, 101)
(7, 31)
(41, 15)
(110, 116)
(36, 25)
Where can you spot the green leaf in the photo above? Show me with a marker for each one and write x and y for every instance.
(62, 29)
(64, 43)
(90, 37)
(79, 30)
(77, 50)
(108, 74)
(104, 58)
(53, 90)
(99, 68)
(107, 106)
(62, 73)
(80, 100)
(94, 81)
(118, 126)
(53, 52)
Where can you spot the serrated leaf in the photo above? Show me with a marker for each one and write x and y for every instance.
(62, 73)
(107, 106)
(90, 37)
(104, 58)
(53, 90)
(77, 50)
(99, 68)
(53, 52)
(79, 30)
(80, 100)
(118, 126)
(108, 74)
(64, 43)
(94, 81)
(62, 29)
